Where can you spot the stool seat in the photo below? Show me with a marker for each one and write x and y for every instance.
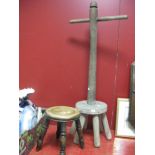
(95, 109)
(62, 113)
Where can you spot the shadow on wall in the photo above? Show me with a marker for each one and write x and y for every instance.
(102, 51)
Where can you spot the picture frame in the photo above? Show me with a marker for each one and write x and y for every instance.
(123, 126)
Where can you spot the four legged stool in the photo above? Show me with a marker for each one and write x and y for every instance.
(98, 111)
(61, 114)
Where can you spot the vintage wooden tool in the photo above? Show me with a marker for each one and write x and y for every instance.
(91, 106)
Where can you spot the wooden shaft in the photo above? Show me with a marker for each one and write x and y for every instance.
(92, 60)
(99, 19)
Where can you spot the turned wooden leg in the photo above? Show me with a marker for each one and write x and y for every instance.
(44, 127)
(106, 127)
(96, 130)
(79, 131)
(82, 121)
(58, 130)
(63, 138)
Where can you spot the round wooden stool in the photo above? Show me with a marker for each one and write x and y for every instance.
(61, 114)
(99, 121)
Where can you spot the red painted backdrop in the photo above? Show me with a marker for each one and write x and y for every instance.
(54, 54)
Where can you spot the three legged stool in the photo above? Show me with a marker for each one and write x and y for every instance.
(99, 121)
(61, 114)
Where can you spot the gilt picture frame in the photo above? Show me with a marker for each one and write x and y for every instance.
(123, 126)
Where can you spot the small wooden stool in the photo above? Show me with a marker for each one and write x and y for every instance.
(99, 121)
(61, 114)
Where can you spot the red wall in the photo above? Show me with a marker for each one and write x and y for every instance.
(54, 54)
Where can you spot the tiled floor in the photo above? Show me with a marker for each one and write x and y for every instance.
(116, 146)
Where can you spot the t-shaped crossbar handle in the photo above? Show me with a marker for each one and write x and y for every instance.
(93, 19)
(99, 19)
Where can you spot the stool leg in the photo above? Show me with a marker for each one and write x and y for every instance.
(79, 131)
(96, 130)
(82, 120)
(40, 139)
(86, 122)
(100, 121)
(73, 128)
(58, 130)
(63, 138)
(106, 127)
